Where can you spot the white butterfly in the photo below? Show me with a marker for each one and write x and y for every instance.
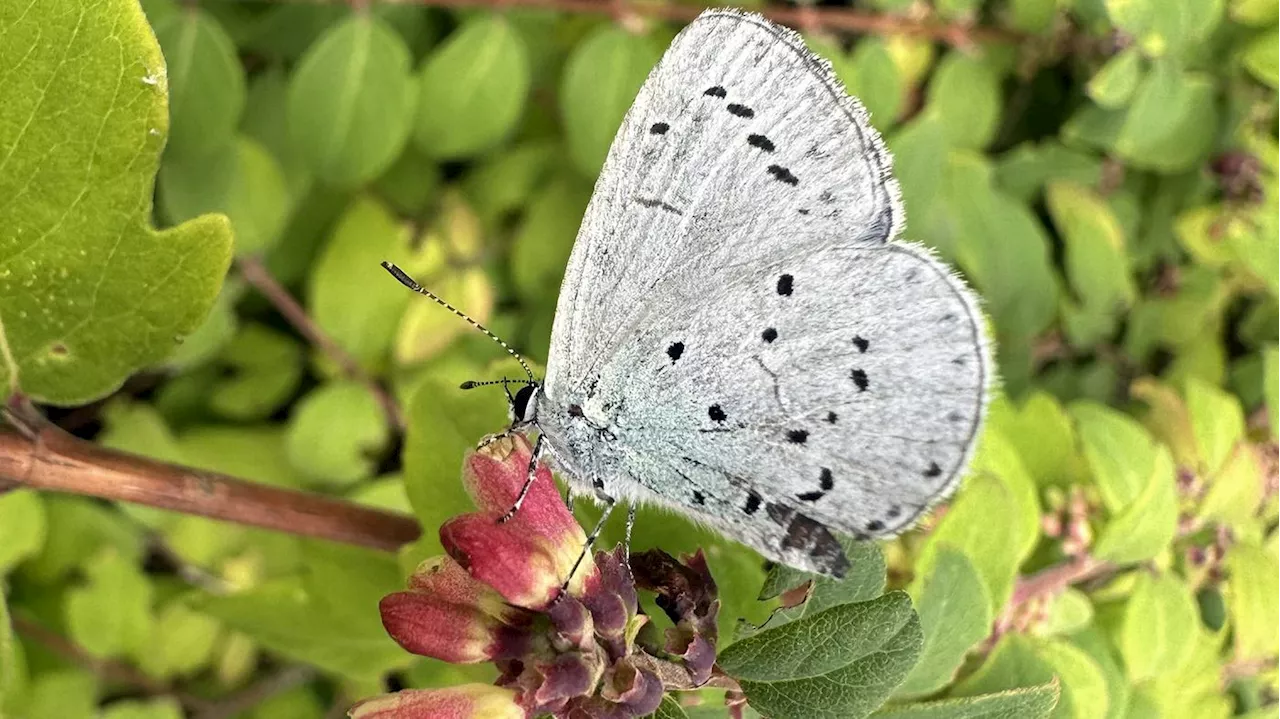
(740, 337)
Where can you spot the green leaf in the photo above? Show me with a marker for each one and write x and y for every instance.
(444, 423)
(1147, 526)
(506, 180)
(337, 432)
(1120, 453)
(284, 617)
(472, 89)
(1043, 435)
(1166, 26)
(265, 368)
(22, 527)
(90, 293)
(181, 642)
(77, 529)
(1094, 642)
(1003, 249)
(1019, 661)
(1097, 264)
(875, 80)
(955, 614)
(1171, 124)
(252, 452)
(997, 487)
(349, 294)
(1159, 629)
(1024, 171)
(669, 709)
(842, 662)
(864, 581)
(1033, 16)
(1252, 592)
(350, 101)
(1071, 611)
(346, 583)
(601, 78)
(206, 83)
(1271, 387)
(1036, 702)
(151, 709)
(13, 668)
(1217, 420)
(544, 240)
(65, 694)
(964, 97)
(411, 185)
(1259, 58)
(111, 615)
(243, 181)
(1114, 83)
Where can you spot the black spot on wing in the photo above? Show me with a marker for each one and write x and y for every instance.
(716, 413)
(785, 285)
(825, 480)
(797, 436)
(894, 512)
(782, 174)
(811, 496)
(715, 91)
(769, 335)
(860, 343)
(659, 128)
(760, 141)
(806, 533)
(933, 471)
(740, 110)
(699, 498)
(753, 503)
(832, 417)
(675, 350)
(859, 378)
(875, 525)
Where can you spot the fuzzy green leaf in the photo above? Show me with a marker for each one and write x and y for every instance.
(350, 101)
(472, 89)
(206, 83)
(1035, 702)
(842, 662)
(1172, 121)
(955, 614)
(669, 709)
(1019, 661)
(601, 78)
(89, 292)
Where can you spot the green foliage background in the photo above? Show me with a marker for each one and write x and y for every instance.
(1108, 184)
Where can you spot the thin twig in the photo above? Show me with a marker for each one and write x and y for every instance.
(804, 18)
(258, 692)
(108, 669)
(256, 274)
(1057, 579)
(53, 460)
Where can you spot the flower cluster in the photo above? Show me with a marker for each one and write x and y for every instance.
(497, 598)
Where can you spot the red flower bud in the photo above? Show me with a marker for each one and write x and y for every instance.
(469, 701)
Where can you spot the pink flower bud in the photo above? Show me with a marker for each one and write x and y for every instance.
(469, 701)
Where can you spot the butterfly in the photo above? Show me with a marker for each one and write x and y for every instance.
(740, 335)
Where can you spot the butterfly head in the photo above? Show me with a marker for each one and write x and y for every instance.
(522, 407)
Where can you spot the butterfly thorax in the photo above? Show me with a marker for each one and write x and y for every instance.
(582, 439)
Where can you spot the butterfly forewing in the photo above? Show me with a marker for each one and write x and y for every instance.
(740, 335)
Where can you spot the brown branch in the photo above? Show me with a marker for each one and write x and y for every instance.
(55, 461)
(1057, 578)
(107, 669)
(804, 18)
(256, 274)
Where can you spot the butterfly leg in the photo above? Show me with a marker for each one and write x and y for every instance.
(530, 475)
(609, 503)
(631, 522)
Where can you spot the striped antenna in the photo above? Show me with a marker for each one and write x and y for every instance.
(409, 282)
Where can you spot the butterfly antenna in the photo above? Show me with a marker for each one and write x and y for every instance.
(472, 384)
(409, 282)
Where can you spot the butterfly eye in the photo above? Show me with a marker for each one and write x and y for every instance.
(523, 406)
